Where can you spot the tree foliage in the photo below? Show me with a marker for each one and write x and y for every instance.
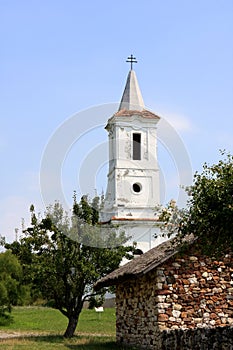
(170, 218)
(65, 256)
(10, 286)
(209, 216)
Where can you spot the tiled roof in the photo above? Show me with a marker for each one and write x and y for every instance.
(144, 263)
(133, 219)
(129, 113)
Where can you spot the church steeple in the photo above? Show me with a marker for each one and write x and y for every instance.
(133, 177)
(132, 97)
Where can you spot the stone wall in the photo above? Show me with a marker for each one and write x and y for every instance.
(195, 291)
(219, 338)
(185, 292)
(136, 319)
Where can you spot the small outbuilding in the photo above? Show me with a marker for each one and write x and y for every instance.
(174, 298)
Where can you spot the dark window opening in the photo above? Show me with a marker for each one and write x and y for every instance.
(136, 146)
(138, 252)
(137, 187)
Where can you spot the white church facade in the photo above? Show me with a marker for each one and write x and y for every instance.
(133, 189)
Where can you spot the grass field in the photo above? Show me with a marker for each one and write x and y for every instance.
(42, 328)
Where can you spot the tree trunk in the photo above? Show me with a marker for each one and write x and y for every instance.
(72, 324)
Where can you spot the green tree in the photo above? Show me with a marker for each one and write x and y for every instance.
(209, 215)
(65, 256)
(170, 218)
(10, 284)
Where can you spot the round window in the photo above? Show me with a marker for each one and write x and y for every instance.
(137, 187)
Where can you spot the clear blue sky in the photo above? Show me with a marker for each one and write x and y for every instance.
(61, 57)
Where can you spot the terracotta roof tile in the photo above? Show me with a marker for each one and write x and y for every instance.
(129, 113)
(133, 219)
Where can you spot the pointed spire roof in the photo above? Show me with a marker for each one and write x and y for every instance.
(132, 97)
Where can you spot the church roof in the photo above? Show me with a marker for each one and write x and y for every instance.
(144, 263)
(143, 113)
(132, 97)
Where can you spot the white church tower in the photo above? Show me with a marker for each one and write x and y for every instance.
(133, 177)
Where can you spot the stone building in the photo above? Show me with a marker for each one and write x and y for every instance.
(177, 296)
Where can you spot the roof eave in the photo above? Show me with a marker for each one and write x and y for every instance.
(118, 278)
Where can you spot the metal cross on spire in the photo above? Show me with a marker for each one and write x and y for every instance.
(131, 60)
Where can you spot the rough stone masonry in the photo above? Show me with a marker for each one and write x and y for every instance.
(184, 292)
